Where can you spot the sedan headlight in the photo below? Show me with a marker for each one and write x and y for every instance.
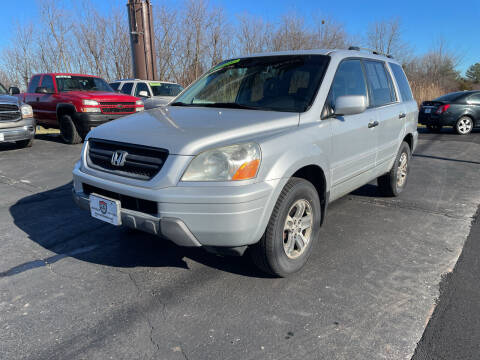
(27, 111)
(90, 102)
(236, 162)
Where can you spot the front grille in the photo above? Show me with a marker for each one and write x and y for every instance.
(127, 202)
(141, 162)
(9, 112)
(108, 110)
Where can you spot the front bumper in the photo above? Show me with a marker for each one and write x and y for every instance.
(22, 130)
(225, 216)
(86, 121)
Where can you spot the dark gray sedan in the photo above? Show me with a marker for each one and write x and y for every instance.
(458, 109)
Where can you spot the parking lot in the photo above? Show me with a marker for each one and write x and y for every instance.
(72, 287)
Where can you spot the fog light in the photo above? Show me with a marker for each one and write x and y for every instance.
(139, 108)
(91, 110)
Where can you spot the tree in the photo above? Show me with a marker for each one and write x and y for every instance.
(473, 73)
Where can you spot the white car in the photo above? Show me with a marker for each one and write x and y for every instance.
(154, 93)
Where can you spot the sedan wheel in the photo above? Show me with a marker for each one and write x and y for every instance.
(464, 125)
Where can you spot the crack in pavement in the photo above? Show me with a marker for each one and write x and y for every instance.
(400, 204)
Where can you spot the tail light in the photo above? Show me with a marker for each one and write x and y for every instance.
(442, 109)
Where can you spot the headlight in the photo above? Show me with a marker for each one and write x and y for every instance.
(27, 111)
(236, 162)
(90, 102)
(139, 102)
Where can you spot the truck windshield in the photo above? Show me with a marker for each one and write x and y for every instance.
(280, 83)
(165, 89)
(81, 83)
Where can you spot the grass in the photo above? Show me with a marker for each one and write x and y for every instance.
(41, 130)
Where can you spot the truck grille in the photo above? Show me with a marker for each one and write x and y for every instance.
(127, 202)
(9, 112)
(117, 107)
(141, 162)
(118, 110)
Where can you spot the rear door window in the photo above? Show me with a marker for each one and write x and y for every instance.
(474, 99)
(380, 84)
(127, 88)
(349, 80)
(33, 84)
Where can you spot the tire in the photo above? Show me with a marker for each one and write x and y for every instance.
(25, 143)
(280, 252)
(395, 181)
(464, 125)
(434, 128)
(68, 130)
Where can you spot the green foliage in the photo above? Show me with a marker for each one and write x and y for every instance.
(473, 73)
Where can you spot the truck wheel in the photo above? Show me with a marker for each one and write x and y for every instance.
(395, 181)
(293, 228)
(68, 130)
(25, 143)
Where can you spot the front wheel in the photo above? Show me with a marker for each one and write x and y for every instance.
(68, 130)
(464, 125)
(292, 230)
(395, 181)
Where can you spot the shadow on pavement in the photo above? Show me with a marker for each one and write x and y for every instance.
(52, 220)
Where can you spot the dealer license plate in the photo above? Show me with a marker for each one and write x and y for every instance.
(104, 209)
(427, 111)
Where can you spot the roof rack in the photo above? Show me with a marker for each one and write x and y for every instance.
(375, 52)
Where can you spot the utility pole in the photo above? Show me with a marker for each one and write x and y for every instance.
(142, 39)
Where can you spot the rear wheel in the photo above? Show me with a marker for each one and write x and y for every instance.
(68, 130)
(293, 228)
(395, 181)
(464, 125)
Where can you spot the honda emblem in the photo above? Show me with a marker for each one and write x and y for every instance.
(118, 158)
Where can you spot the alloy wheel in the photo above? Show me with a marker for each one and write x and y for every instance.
(298, 227)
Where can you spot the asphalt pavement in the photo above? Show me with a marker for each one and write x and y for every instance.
(72, 287)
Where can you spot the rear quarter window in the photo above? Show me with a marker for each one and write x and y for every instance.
(402, 82)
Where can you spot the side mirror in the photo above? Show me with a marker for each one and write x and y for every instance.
(350, 105)
(43, 90)
(143, 93)
(13, 90)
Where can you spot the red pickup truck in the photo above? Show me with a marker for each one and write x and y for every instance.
(75, 103)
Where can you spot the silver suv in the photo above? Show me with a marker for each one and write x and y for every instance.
(252, 153)
(154, 93)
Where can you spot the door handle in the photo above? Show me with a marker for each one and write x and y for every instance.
(38, 99)
(402, 115)
(372, 124)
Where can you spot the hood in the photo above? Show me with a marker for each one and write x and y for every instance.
(190, 130)
(7, 99)
(157, 101)
(100, 95)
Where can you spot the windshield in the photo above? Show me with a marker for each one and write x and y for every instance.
(164, 89)
(3, 90)
(82, 83)
(280, 83)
